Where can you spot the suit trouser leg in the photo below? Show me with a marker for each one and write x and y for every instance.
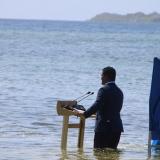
(106, 140)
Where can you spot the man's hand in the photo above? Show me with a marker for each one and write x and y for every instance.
(78, 112)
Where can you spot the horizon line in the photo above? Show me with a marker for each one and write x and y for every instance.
(74, 20)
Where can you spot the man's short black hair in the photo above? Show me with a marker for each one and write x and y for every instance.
(110, 72)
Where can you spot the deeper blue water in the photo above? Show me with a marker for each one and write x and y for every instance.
(45, 61)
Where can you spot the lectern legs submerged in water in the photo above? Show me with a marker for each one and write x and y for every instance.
(66, 114)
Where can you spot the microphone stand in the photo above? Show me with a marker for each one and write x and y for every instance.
(85, 97)
(82, 96)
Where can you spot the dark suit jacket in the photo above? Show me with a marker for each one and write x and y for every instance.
(107, 106)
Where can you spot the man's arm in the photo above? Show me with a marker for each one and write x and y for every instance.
(96, 105)
(94, 108)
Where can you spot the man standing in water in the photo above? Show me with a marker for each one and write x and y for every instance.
(107, 107)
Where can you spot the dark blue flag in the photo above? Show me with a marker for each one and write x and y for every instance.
(154, 102)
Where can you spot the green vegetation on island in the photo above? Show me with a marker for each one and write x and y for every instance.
(131, 17)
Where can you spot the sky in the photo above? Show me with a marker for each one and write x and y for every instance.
(72, 9)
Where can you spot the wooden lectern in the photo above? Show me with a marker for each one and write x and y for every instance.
(66, 113)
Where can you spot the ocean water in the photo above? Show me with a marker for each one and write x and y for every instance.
(45, 61)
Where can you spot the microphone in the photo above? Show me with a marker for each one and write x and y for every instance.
(80, 107)
(82, 96)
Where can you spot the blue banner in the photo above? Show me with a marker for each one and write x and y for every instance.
(154, 102)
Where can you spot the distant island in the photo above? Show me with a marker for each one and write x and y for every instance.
(131, 17)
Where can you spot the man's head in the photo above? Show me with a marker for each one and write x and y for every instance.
(108, 74)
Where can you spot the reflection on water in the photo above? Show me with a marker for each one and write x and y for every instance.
(155, 153)
(97, 154)
(107, 154)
